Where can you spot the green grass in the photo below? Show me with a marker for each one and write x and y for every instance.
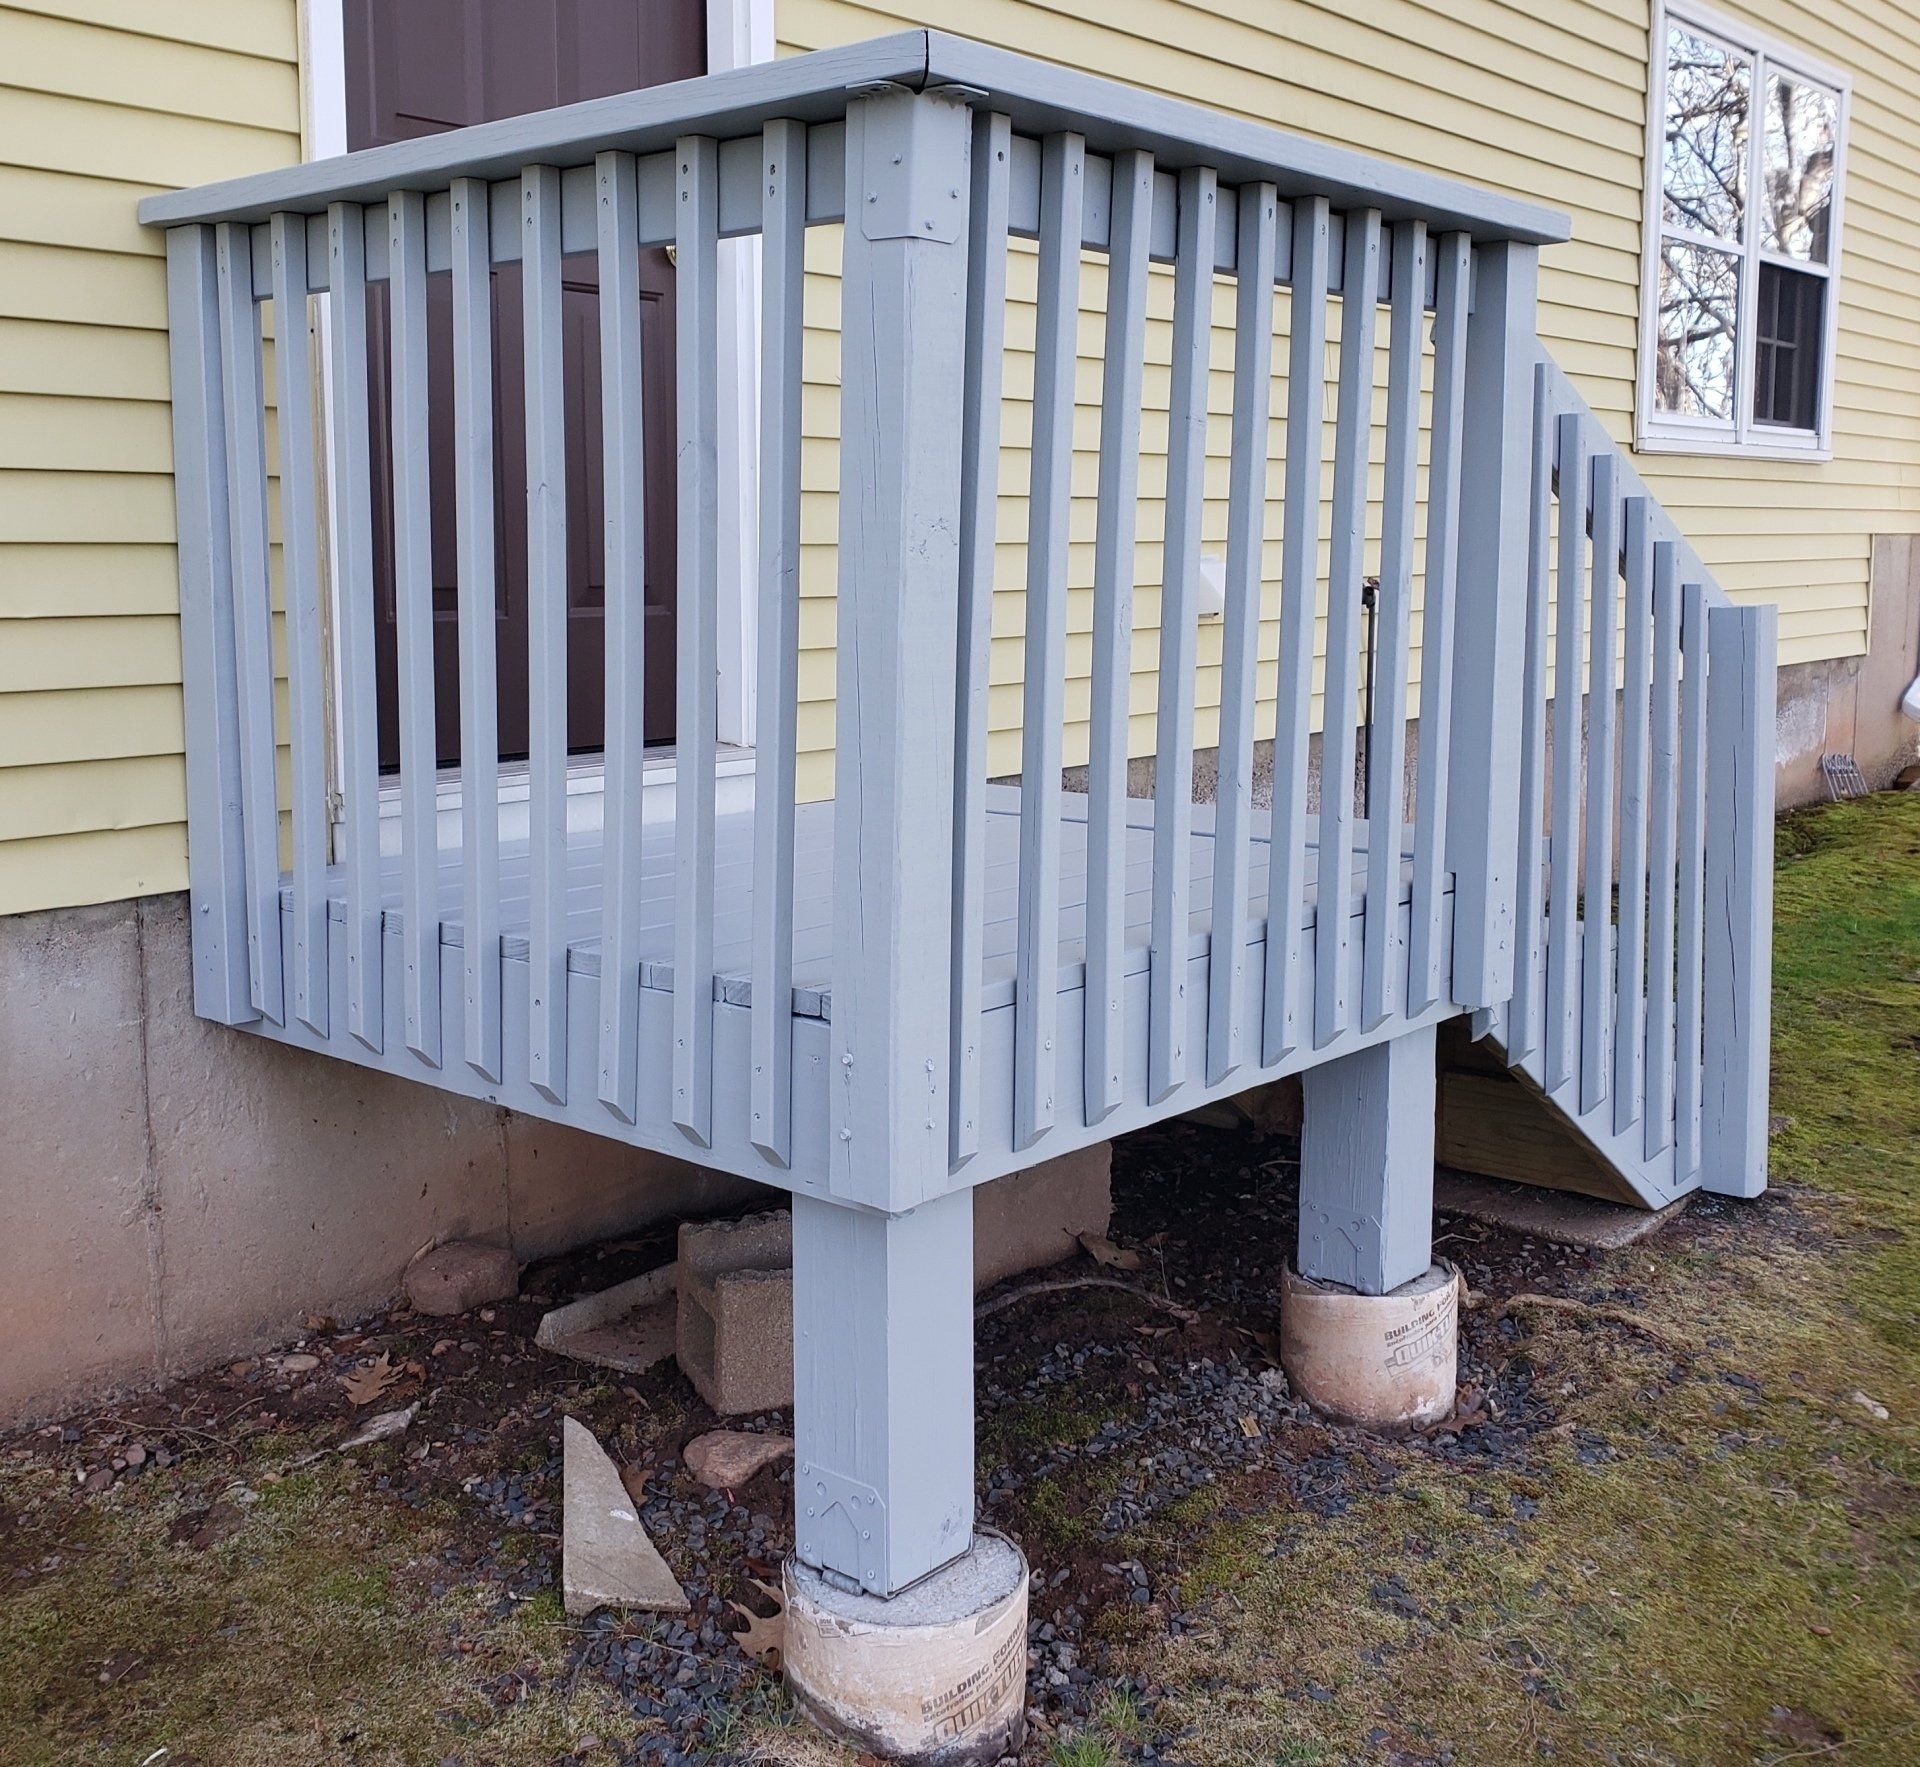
(307, 1635)
(1741, 1582)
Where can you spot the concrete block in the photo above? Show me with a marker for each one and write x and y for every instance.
(736, 1277)
(736, 1311)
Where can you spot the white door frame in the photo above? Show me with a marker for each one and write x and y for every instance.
(738, 32)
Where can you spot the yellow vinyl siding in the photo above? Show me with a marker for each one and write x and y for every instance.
(102, 101)
(1546, 102)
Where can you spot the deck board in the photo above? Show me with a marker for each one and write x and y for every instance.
(813, 896)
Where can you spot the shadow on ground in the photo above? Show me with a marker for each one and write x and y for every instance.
(1677, 1520)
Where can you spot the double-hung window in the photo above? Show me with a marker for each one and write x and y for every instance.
(1746, 147)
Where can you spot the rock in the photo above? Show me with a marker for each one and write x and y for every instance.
(1872, 1407)
(300, 1363)
(100, 1479)
(727, 1459)
(606, 1557)
(460, 1275)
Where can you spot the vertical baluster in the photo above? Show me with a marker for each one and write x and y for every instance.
(1426, 955)
(1353, 428)
(1596, 973)
(1629, 1011)
(474, 562)
(623, 464)
(1689, 968)
(251, 588)
(300, 556)
(1240, 639)
(1664, 802)
(1179, 568)
(782, 330)
(1299, 579)
(546, 631)
(979, 509)
(353, 609)
(1523, 1023)
(1049, 503)
(413, 622)
(1115, 523)
(697, 214)
(1382, 969)
(216, 861)
(1569, 663)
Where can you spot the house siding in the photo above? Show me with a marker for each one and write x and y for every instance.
(101, 102)
(1546, 102)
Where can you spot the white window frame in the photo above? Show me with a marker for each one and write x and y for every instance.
(739, 32)
(1667, 432)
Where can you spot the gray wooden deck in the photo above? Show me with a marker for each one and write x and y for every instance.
(813, 899)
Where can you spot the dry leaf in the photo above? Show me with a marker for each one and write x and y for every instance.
(763, 1637)
(1105, 1253)
(367, 1382)
(634, 1479)
(384, 1427)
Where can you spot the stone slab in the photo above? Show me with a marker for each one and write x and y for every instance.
(630, 1326)
(1561, 1216)
(606, 1556)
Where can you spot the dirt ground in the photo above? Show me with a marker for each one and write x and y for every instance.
(1677, 1520)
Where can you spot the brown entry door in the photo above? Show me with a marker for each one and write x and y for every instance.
(417, 67)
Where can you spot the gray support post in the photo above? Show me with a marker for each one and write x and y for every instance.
(1741, 644)
(1483, 808)
(216, 860)
(904, 331)
(1366, 1166)
(883, 1389)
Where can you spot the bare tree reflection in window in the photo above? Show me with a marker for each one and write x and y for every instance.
(1703, 179)
(1798, 197)
(1695, 365)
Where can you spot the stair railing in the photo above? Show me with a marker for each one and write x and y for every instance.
(1641, 1004)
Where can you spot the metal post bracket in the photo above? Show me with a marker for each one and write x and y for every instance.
(914, 152)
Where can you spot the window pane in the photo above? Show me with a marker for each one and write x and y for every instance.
(1799, 160)
(1704, 172)
(1787, 348)
(1699, 292)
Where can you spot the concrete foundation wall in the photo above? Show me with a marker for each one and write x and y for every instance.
(174, 1193)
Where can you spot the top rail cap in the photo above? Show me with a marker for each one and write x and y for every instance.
(808, 88)
(1042, 97)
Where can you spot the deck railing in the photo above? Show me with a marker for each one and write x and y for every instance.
(1641, 1003)
(932, 155)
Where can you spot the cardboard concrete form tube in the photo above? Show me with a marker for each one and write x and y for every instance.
(1386, 1362)
(936, 1676)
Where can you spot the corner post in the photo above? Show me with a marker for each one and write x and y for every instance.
(1483, 804)
(1741, 647)
(883, 1389)
(903, 355)
(216, 854)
